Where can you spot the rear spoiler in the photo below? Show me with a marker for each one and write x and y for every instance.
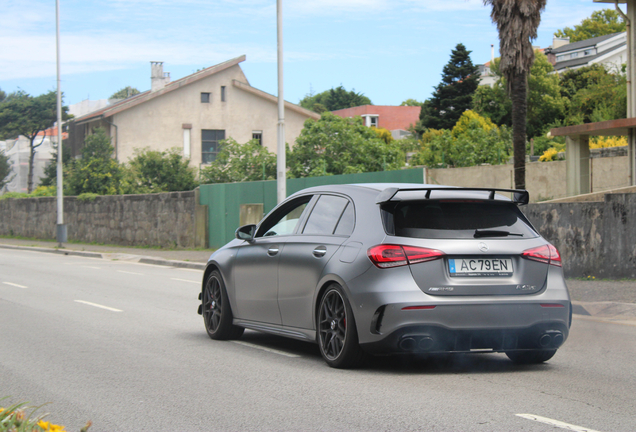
(519, 196)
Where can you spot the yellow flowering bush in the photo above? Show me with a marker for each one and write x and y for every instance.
(464, 123)
(607, 141)
(15, 419)
(548, 155)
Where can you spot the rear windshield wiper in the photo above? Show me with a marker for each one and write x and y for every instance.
(495, 233)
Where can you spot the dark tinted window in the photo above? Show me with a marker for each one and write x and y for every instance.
(347, 221)
(325, 215)
(455, 219)
(284, 221)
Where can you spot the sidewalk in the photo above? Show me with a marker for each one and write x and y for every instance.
(604, 299)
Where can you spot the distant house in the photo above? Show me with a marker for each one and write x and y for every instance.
(397, 119)
(610, 50)
(193, 113)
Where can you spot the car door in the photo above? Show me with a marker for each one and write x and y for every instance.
(256, 264)
(306, 254)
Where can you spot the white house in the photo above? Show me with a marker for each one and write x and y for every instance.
(609, 50)
(193, 113)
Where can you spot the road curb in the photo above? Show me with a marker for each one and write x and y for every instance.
(137, 258)
(605, 309)
(55, 251)
(172, 263)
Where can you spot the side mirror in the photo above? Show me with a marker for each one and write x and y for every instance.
(246, 232)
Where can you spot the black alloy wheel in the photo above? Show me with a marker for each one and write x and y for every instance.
(217, 315)
(337, 334)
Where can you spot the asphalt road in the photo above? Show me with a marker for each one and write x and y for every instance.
(120, 343)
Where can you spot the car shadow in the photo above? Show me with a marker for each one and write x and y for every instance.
(437, 364)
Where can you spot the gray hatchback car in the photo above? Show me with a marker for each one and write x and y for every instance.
(393, 268)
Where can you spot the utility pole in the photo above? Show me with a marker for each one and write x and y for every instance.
(61, 228)
(281, 160)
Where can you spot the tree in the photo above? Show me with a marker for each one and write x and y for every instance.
(333, 145)
(595, 94)
(3, 96)
(334, 99)
(546, 104)
(517, 22)
(602, 22)
(5, 169)
(411, 102)
(454, 94)
(22, 114)
(50, 171)
(240, 162)
(474, 140)
(124, 93)
(152, 171)
(96, 172)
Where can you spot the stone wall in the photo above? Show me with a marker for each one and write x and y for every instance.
(164, 219)
(594, 238)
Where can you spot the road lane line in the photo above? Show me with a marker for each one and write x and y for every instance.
(128, 272)
(556, 423)
(186, 280)
(273, 351)
(15, 285)
(98, 306)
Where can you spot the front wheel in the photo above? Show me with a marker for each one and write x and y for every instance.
(217, 315)
(530, 357)
(337, 333)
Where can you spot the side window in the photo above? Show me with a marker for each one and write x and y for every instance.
(325, 215)
(284, 221)
(347, 222)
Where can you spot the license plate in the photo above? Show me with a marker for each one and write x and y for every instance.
(480, 267)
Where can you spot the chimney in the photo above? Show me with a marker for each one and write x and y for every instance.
(158, 79)
(559, 42)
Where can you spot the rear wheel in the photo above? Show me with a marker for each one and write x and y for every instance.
(337, 333)
(530, 357)
(217, 314)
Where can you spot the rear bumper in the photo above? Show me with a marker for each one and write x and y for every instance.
(438, 339)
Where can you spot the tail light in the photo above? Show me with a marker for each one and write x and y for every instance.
(386, 255)
(546, 254)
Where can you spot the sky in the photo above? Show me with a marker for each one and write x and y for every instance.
(388, 50)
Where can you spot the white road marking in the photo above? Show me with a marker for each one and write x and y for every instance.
(91, 267)
(99, 306)
(15, 285)
(186, 280)
(556, 423)
(127, 272)
(273, 351)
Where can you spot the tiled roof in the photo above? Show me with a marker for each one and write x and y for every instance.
(583, 44)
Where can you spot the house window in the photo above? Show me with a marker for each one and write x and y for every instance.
(205, 97)
(258, 136)
(210, 144)
(574, 55)
(222, 93)
(374, 121)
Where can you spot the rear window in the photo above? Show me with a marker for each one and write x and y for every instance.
(455, 219)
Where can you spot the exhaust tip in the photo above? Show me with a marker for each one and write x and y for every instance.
(557, 340)
(545, 340)
(426, 343)
(407, 344)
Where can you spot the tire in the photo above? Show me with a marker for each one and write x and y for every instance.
(216, 311)
(530, 357)
(337, 332)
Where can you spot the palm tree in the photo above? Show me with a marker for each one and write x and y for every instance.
(517, 22)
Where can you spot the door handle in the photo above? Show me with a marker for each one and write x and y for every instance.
(272, 250)
(320, 251)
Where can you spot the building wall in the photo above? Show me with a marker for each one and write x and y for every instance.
(593, 238)
(166, 219)
(544, 180)
(390, 117)
(159, 122)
